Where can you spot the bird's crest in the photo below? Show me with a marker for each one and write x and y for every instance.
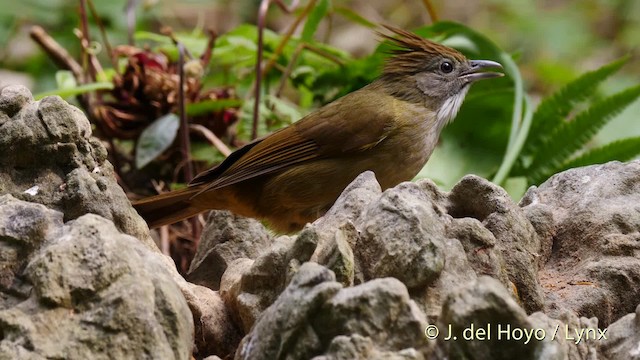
(412, 52)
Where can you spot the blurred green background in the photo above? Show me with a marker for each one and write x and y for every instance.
(552, 41)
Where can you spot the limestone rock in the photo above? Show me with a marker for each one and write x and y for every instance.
(401, 236)
(217, 331)
(622, 338)
(314, 316)
(590, 241)
(87, 291)
(225, 238)
(336, 232)
(49, 157)
(516, 239)
(266, 277)
(485, 305)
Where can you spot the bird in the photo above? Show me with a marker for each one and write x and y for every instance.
(294, 175)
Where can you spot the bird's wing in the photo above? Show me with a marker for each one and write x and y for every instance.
(320, 134)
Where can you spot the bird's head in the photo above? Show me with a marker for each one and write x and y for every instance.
(438, 76)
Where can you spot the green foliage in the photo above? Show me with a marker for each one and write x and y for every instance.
(496, 134)
(156, 138)
(621, 150)
(314, 19)
(556, 138)
(67, 92)
(210, 106)
(552, 112)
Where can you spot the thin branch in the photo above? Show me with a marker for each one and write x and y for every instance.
(287, 35)
(294, 59)
(431, 10)
(185, 145)
(262, 15)
(103, 34)
(165, 243)
(212, 138)
(205, 58)
(168, 31)
(88, 57)
(57, 53)
(130, 11)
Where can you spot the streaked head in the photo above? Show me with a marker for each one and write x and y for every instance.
(432, 73)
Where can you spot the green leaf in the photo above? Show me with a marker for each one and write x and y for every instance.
(554, 109)
(65, 80)
(151, 36)
(65, 93)
(313, 20)
(354, 17)
(210, 106)
(156, 138)
(205, 152)
(569, 136)
(621, 150)
(281, 112)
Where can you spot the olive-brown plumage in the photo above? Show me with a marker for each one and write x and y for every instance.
(294, 175)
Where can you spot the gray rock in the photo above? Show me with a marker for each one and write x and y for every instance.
(457, 272)
(588, 220)
(230, 289)
(335, 252)
(516, 238)
(261, 284)
(622, 338)
(315, 317)
(14, 98)
(336, 233)
(24, 227)
(225, 238)
(567, 337)
(283, 330)
(49, 157)
(218, 331)
(376, 309)
(93, 293)
(401, 236)
(475, 322)
(363, 348)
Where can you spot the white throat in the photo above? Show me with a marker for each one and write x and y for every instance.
(450, 107)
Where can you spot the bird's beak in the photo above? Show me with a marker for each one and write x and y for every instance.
(477, 70)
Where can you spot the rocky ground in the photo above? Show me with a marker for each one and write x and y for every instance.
(409, 273)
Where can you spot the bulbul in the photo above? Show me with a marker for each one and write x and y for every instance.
(294, 175)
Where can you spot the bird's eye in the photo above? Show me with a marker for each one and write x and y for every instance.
(446, 67)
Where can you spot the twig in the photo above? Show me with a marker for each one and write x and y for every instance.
(294, 58)
(57, 53)
(205, 58)
(165, 244)
(130, 11)
(431, 10)
(185, 145)
(212, 138)
(262, 14)
(287, 35)
(103, 34)
(89, 58)
(168, 31)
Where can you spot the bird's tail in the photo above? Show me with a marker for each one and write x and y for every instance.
(168, 208)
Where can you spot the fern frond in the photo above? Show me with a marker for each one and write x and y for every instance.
(554, 109)
(570, 136)
(621, 150)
